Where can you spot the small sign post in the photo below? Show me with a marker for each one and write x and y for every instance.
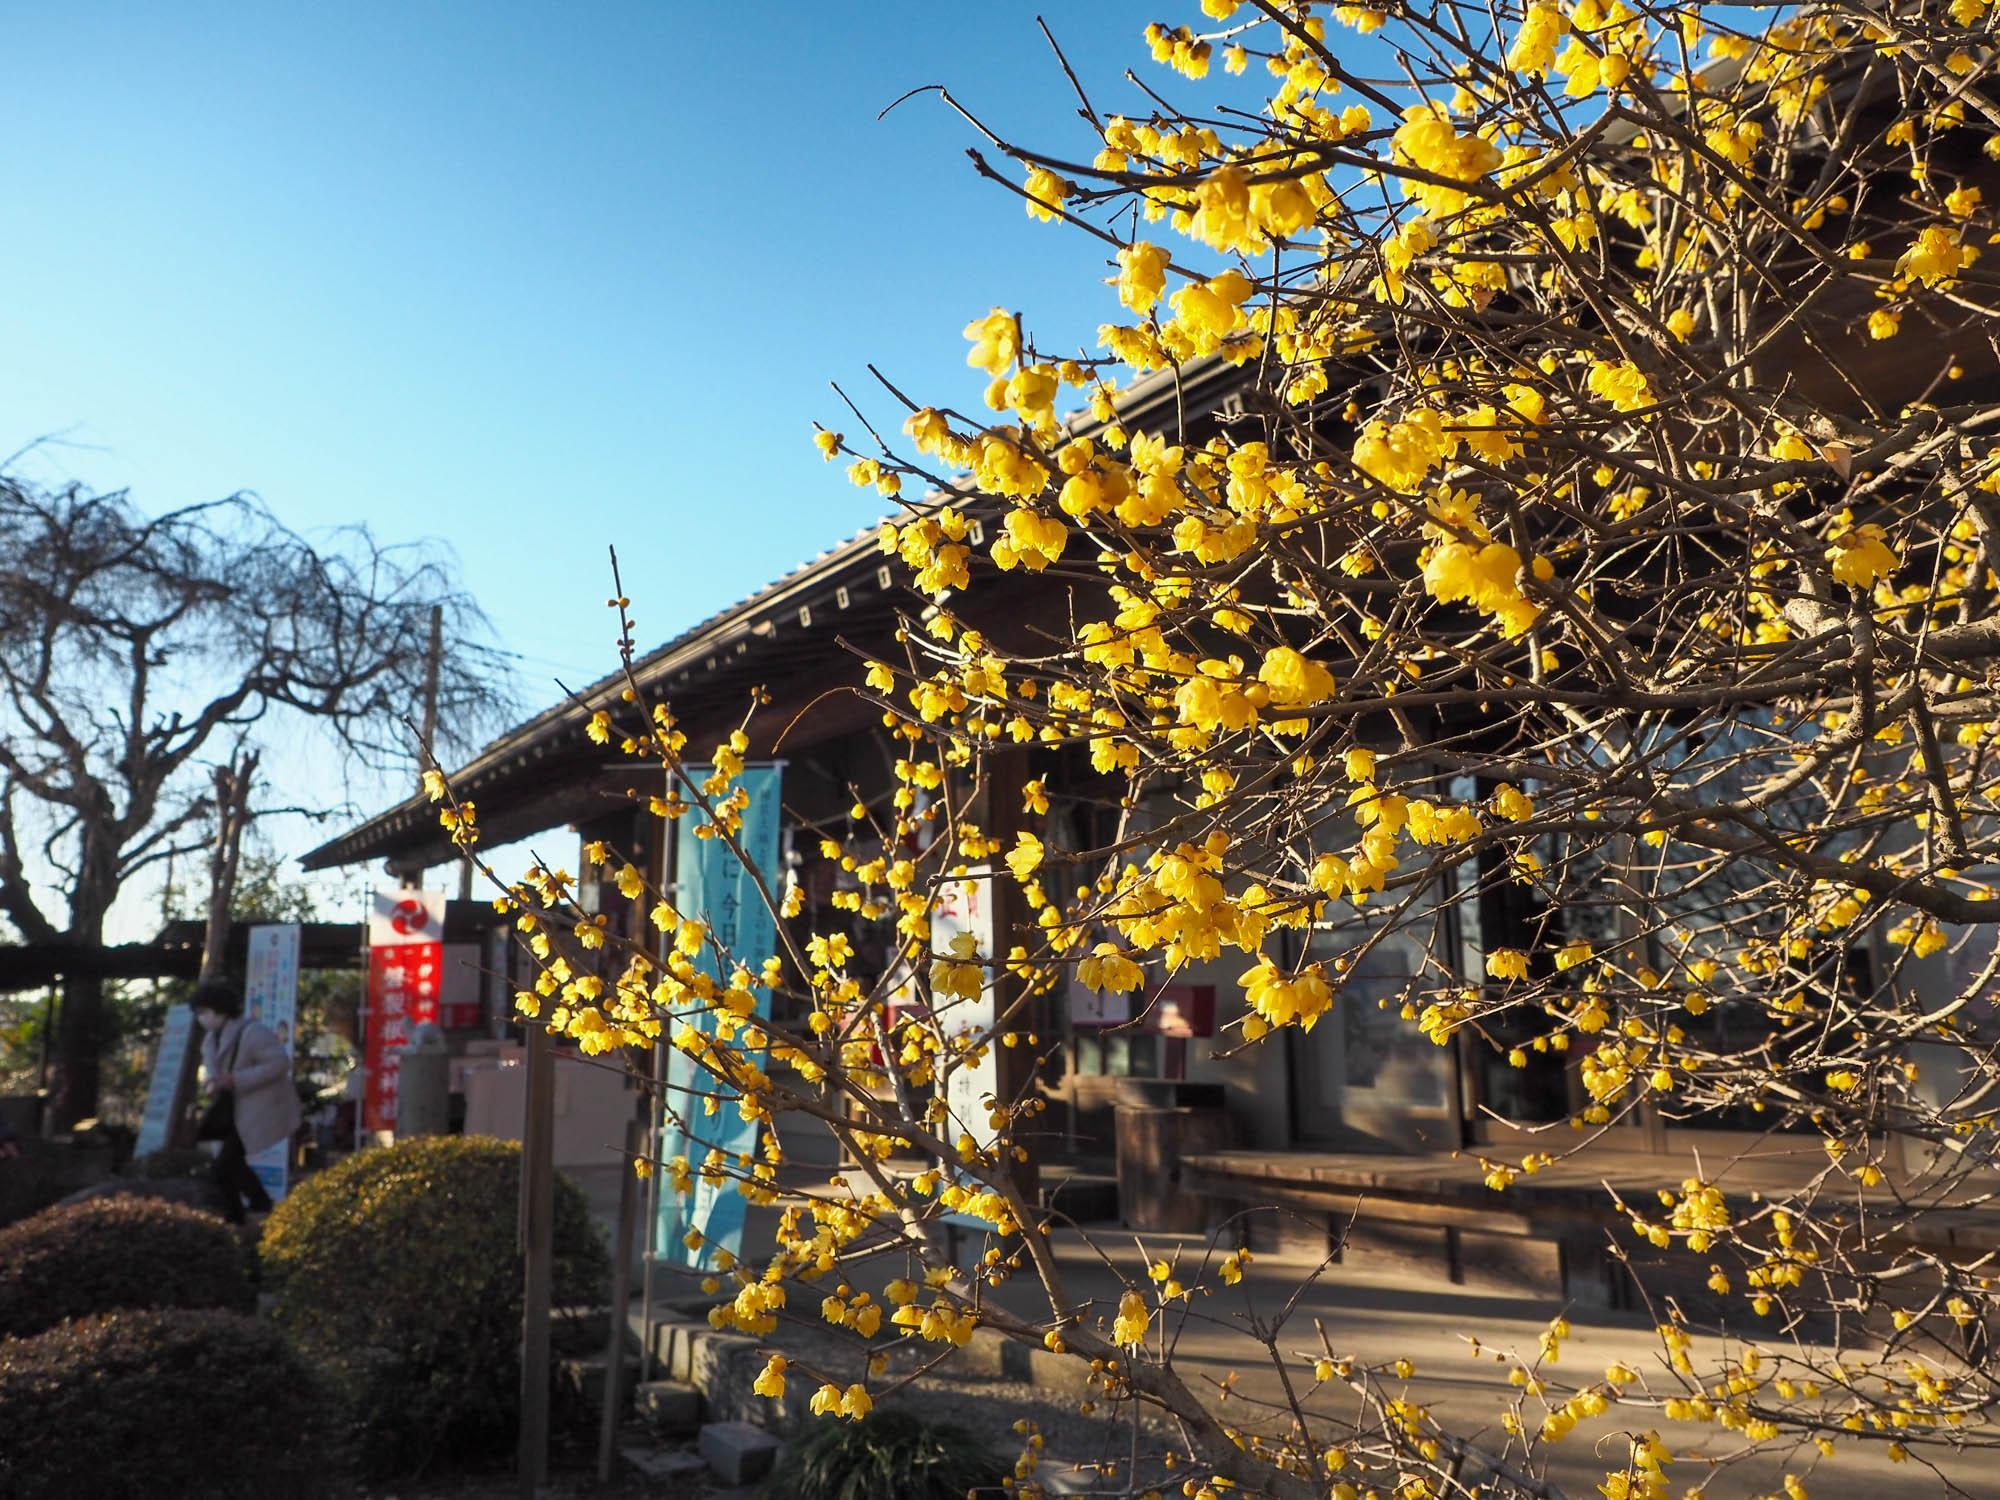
(163, 1091)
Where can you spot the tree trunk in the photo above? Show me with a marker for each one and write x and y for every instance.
(232, 815)
(225, 856)
(81, 1034)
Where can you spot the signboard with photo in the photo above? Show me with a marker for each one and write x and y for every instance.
(271, 996)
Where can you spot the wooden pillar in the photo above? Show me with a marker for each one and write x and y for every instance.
(621, 1298)
(537, 1253)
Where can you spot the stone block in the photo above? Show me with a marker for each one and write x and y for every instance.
(738, 1453)
(1061, 1374)
(992, 1355)
(723, 1367)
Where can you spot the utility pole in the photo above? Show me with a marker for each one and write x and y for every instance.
(433, 665)
(412, 876)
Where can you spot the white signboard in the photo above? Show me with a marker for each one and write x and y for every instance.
(399, 915)
(405, 963)
(271, 995)
(155, 1124)
(966, 906)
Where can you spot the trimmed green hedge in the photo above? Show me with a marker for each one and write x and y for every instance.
(199, 1404)
(112, 1253)
(398, 1270)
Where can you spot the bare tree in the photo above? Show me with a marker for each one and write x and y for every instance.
(136, 651)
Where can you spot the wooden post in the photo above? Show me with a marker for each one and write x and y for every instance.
(537, 1254)
(49, 1011)
(621, 1297)
(664, 864)
(649, 1255)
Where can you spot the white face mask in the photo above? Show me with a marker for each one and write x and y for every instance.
(208, 1020)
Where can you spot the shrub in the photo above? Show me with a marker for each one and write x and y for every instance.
(890, 1453)
(399, 1270)
(162, 1404)
(170, 1163)
(113, 1253)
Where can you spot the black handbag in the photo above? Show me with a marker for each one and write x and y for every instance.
(218, 1121)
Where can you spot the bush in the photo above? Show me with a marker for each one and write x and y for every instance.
(162, 1404)
(889, 1453)
(114, 1253)
(170, 1163)
(398, 1269)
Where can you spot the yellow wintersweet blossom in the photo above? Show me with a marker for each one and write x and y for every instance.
(1860, 556)
(996, 341)
(1281, 999)
(770, 1380)
(1485, 576)
(1534, 48)
(1142, 276)
(1937, 257)
(1046, 192)
(1403, 454)
(1110, 968)
(1295, 680)
(1133, 1319)
(1428, 140)
(1025, 857)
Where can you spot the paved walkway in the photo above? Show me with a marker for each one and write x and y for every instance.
(1379, 1318)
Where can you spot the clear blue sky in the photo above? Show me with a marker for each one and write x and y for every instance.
(530, 278)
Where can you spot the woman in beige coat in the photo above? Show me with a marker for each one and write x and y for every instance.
(245, 1059)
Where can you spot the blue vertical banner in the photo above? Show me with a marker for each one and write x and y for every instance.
(713, 886)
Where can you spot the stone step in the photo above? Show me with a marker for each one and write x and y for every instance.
(583, 1376)
(664, 1466)
(669, 1408)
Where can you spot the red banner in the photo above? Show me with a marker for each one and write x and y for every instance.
(403, 984)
